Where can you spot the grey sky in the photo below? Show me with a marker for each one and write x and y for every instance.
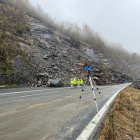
(115, 20)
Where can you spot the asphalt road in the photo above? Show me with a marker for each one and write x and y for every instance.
(48, 114)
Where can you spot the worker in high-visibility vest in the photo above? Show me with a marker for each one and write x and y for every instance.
(71, 82)
(81, 82)
(74, 82)
(78, 82)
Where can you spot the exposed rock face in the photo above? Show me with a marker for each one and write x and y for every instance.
(23, 73)
(91, 54)
(121, 78)
(61, 57)
(136, 84)
(54, 53)
(32, 53)
(54, 58)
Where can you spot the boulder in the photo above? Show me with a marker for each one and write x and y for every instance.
(55, 68)
(96, 78)
(65, 55)
(97, 70)
(55, 83)
(45, 74)
(46, 56)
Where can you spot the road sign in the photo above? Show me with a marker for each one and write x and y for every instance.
(88, 68)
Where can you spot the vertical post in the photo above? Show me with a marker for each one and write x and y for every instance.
(93, 91)
(96, 87)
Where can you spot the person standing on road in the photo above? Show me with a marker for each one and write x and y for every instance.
(75, 82)
(71, 83)
(79, 82)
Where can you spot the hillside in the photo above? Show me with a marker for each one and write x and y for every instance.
(15, 67)
(34, 49)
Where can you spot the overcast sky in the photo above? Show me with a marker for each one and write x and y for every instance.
(117, 21)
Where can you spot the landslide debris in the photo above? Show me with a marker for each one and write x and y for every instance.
(34, 50)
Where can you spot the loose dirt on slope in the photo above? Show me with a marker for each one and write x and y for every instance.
(123, 122)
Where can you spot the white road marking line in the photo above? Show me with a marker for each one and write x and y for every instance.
(24, 96)
(28, 95)
(1, 94)
(34, 106)
(34, 95)
(19, 97)
(9, 93)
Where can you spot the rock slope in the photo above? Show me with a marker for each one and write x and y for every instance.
(56, 55)
(36, 54)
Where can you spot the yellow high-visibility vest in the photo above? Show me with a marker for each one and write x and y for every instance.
(78, 82)
(74, 82)
(81, 82)
(71, 81)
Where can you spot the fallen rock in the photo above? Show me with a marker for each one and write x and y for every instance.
(55, 83)
(55, 68)
(65, 55)
(43, 74)
(46, 57)
(97, 70)
(95, 78)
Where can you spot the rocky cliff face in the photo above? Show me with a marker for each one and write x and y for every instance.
(39, 53)
(55, 55)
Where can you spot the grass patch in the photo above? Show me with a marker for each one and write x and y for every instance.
(11, 86)
(123, 122)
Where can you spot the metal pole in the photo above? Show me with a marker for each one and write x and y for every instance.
(91, 84)
(96, 86)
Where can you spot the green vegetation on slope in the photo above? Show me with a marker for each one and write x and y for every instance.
(12, 25)
(13, 29)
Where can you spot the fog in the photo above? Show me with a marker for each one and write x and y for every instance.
(117, 21)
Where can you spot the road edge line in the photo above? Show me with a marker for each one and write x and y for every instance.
(90, 128)
(27, 91)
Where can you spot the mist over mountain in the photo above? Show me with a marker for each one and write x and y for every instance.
(117, 21)
(34, 50)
